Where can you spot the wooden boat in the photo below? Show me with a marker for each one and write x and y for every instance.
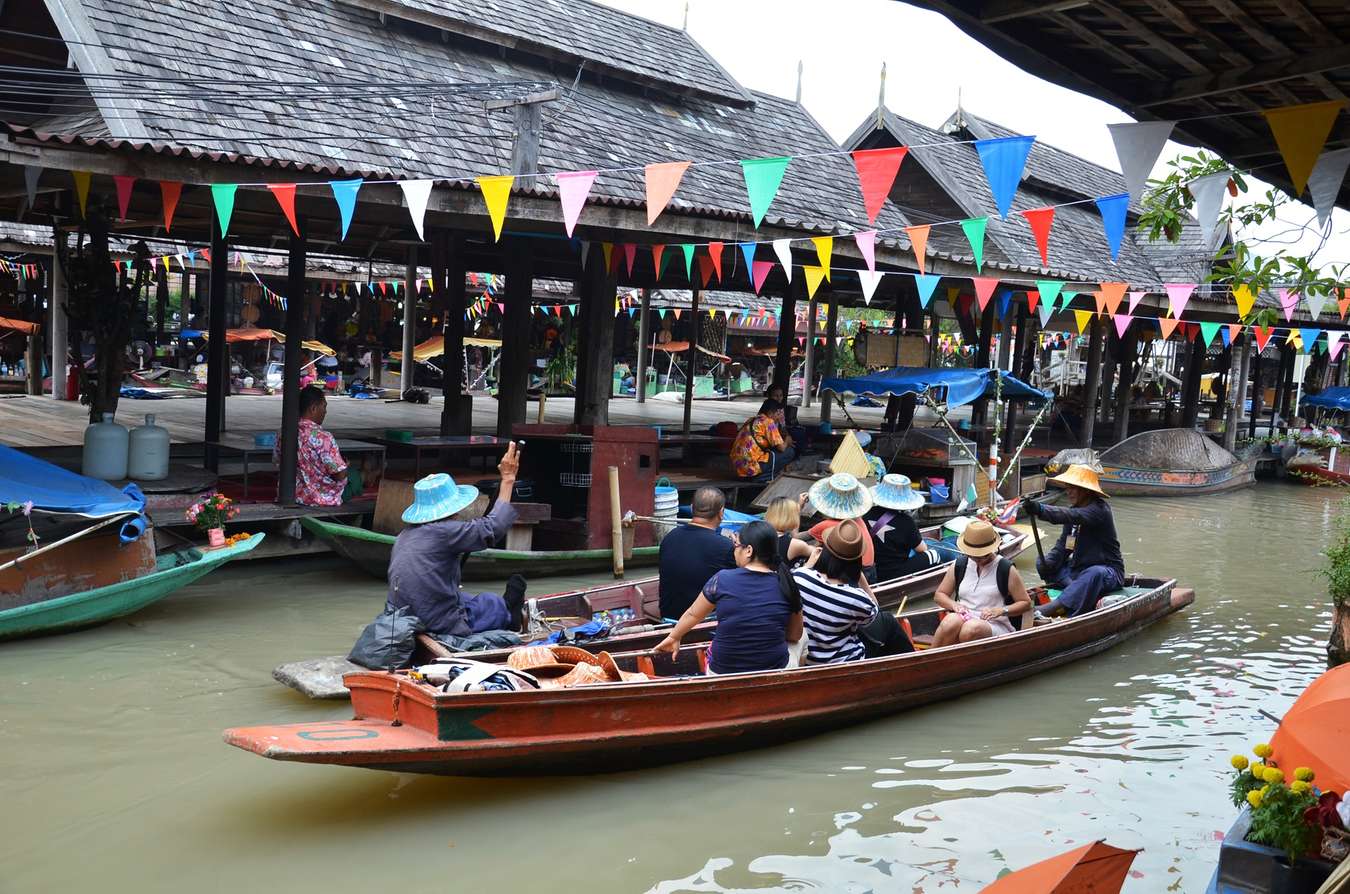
(404, 724)
(1321, 465)
(1166, 462)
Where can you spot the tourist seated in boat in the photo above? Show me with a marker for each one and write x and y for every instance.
(320, 470)
(692, 553)
(762, 447)
(842, 499)
(981, 592)
(897, 545)
(785, 514)
(843, 622)
(759, 610)
(1085, 563)
(424, 567)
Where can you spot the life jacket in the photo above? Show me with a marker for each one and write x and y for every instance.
(1001, 576)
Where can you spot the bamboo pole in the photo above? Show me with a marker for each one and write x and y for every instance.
(16, 562)
(615, 521)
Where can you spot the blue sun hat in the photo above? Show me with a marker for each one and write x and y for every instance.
(436, 497)
(897, 492)
(841, 497)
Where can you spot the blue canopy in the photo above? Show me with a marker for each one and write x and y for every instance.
(24, 478)
(1332, 398)
(962, 386)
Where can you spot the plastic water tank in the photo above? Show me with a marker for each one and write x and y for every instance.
(105, 450)
(148, 452)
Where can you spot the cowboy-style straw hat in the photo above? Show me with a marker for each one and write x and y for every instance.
(896, 492)
(840, 497)
(844, 542)
(979, 539)
(1081, 476)
(436, 497)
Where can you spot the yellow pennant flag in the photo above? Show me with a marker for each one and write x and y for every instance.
(1301, 132)
(824, 248)
(81, 188)
(165, 259)
(1292, 338)
(1083, 317)
(608, 249)
(496, 193)
(813, 277)
(1245, 299)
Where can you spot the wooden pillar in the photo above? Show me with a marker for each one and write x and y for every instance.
(1258, 392)
(595, 352)
(1281, 380)
(787, 335)
(457, 409)
(831, 332)
(34, 363)
(934, 331)
(689, 377)
(513, 370)
(1127, 361)
(58, 325)
(161, 304)
(980, 412)
(1190, 405)
(809, 367)
(1019, 351)
(407, 375)
(217, 352)
(1092, 382)
(644, 335)
(1237, 394)
(290, 382)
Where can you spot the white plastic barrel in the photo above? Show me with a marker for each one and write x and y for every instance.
(148, 452)
(105, 450)
(667, 505)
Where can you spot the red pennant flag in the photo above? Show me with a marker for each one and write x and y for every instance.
(630, 255)
(1041, 219)
(1166, 326)
(285, 193)
(657, 250)
(1033, 299)
(705, 269)
(1112, 294)
(124, 184)
(206, 254)
(1263, 334)
(384, 288)
(169, 191)
(984, 289)
(1234, 330)
(557, 311)
(1192, 331)
(877, 169)
(715, 252)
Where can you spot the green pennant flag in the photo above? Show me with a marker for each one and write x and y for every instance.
(688, 249)
(1066, 296)
(665, 259)
(223, 195)
(1049, 290)
(762, 179)
(1208, 331)
(974, 230)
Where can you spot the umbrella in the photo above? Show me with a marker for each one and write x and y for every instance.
(1095, 868)
(1315, 729)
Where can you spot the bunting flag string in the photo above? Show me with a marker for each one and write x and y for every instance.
(123, 185)
(222, 196)
(1177, 296)
(866, 241)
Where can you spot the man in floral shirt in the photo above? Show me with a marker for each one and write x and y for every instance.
(320, 470)
(762, 446)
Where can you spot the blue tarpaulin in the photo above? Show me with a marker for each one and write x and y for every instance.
(962, 386)
(50, 488)
(1332, 398)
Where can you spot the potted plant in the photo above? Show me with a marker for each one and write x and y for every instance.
(1283, 817)
(1337, 573)
(210, 514)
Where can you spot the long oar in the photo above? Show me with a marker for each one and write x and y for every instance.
(1036, 532)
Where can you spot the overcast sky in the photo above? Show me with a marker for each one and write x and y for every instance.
(929, 64)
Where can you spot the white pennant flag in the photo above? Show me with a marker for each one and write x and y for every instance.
(585, 253)
(1324, 183)
(1045, 309)
(783, 248)
(416, 193)
(1135, 298)
(1333, 342)
(31, 173)
(1138, 146)
(1315, 303)
(1208, 192)
(869, 280)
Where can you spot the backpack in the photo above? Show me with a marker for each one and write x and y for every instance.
(1001, 576)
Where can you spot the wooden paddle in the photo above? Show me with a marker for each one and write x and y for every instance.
(1036, 532)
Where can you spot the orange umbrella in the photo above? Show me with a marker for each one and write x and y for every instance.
(1315, 730)
(1096, 868)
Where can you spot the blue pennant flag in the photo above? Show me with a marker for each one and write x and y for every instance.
(1003, 160)
(1113, 210)
(1004, 300)
(748, 249)
(1309, 338)
(1227, 338)
(927, 283)
(344, 191)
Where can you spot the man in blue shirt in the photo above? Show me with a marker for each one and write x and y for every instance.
(694, 552)
(1085, 563)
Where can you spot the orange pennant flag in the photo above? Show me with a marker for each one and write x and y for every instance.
(1343, 304)
(285, 195)
(496, 193)
(1166, 326)
(169, 191)
(1112, 293)
(715, 252)
(662, 181)
(918, 237)
(1100, 298)
(1301, 132)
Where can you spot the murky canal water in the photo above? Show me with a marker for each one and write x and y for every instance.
(115, 777)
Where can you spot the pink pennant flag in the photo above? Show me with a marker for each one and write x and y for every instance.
(867, 241)
(1334, 343)
(1178, 293)
(630, 255)
(984, 289)
(1288, 302)
(1135, 298)
(758, 273)
(123, 184)
(573, 188)
(1122, 322)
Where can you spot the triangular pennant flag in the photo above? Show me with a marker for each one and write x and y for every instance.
(1135, 298)
(984, 289)
(869, 280)
(123, 183)
(1178, 293)
(496, 194)
(1315, 301)
(169, 191)
(1226, 335)
(926, 283)
(762, 179)
(662, 180)
(1138, 146)
(1208, 192)
(81, 179)
(1208, 331)
(1122, 322)
(31, 173)
(867, 241)
(659, 258)
(630, 255)
(585, 252)
(1343, 304)
(285, 195)
(1100, 298)
(918, 238)
(1324, 184)
(344, 192)
(824, 249)
(573, 188)
(814, 275)
(1291, 336)
(705, 270)
(1301, 132)
(1191, 330)
(1041, 219)
(759, 271)
(877, 169)
(1288, 302)
(1166, 326)
(1033, 299)
(1234, 330)
(222, 194)
(1112, 294)
(1066, 297)
(1334, 343)
(1049, 290)
(1082, 318)
(607, 249)
(974, 229)
(748, 252)
(415, 195)
(1309, 338)
(1113, 210)
(1045, 310)
(715, 254)
(1245, 298)
(688, 250)
(783, 248)
(1003, 159)
(1004, 302)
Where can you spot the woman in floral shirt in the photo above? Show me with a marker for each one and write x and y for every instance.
(762, 446)
(320, 470)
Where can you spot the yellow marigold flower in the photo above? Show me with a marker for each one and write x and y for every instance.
(1239, 762)
(1274, 775)
(1303, 774)
(1262, 751)
(1258, 769)
(1300, 787)
(1254, 798)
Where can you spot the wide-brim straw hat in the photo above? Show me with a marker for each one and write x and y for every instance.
(841, 497)
(897, 492)
(436, 497)
(979, 539)
(1081, 476)
(539, 661)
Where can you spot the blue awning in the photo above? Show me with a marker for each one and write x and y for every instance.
(50, 488)
(1332, 398)
(962, 386)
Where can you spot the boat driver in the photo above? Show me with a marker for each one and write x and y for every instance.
(1085, 563)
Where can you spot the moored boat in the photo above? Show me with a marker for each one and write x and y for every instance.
(403, 723)
(1166, 462)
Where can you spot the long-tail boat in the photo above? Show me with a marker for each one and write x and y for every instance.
(403, 723)
(1163, 463)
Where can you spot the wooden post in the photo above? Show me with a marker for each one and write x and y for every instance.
(1190, 405)
(787, 335)
(1092, 382)
(934, 331)
(1127, 357)
(457, 411)
(161, 305)
(809, 367)
(689, 377)
(1237, 394)
(60, 334)
(1019, 349)
(979, 414)
(34, 362)
(595, 348)
(1258, 392)
(407, 368)
(217, 352)
(831, 333)
(616, 521)
(513, 370)
(290, 383)
(644, 335)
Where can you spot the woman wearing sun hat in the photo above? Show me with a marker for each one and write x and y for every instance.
(841, 498)
(980, 593)
(424, 567)
(896, 541)
(1085, 563)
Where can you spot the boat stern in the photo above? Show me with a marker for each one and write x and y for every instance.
(347, 742)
